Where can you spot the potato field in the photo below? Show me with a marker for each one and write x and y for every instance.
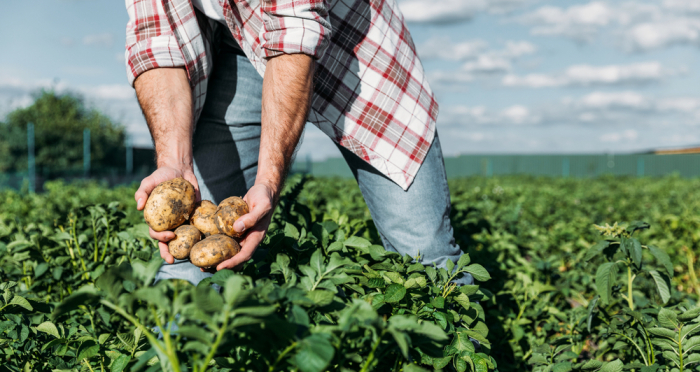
(571, 275)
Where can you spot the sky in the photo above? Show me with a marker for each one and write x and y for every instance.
(511, 76)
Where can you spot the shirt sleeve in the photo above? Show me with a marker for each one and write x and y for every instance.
(150, 42)
(295, 26)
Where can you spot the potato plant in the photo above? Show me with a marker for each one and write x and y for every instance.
(553, 293)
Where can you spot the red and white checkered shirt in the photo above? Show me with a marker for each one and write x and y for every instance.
(370, 92)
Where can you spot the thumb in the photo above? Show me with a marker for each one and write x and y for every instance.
(247, 221)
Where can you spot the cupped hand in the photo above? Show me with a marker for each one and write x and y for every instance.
(261, 200)
(162, 174)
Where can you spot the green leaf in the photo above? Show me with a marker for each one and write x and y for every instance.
(596, 249)
(439, 363)
(662, 285)
(463, 300)
(394, 293)
(478, 272)
(291, 231)
(635, 248)
(21, 302)
(196, 333)
(321, 297)
(314, 353)
(614, 366)
(119, 364)
(413, 368)
(48, 327)
(88, 349)
(604, 280)
(463, 261)
(562, 367)
(667, 318)
(207, 299)
(402, 340)
(663, 259)
(689, 314)
(591, 307)
(357, 242)
(40, 269)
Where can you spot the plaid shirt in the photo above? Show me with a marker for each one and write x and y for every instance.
(370, 92)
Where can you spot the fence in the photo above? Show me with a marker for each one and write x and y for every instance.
(686, 165)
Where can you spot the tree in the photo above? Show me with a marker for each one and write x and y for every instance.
(59, 121)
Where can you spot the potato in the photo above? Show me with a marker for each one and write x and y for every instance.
(228, 212)
(170, 204)
(213, 250)
(186, 236)
(203, 218)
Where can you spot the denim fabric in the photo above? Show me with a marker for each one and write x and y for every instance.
(226, 144)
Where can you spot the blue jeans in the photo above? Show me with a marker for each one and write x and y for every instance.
(226, 144)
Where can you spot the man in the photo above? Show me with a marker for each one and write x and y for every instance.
(250, 73)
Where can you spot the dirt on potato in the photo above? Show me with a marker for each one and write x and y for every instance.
(186, 236)
(229, 210)
(214, 250)
(170, 204)
(203, 218)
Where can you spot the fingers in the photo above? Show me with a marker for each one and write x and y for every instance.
(141, 195)
(260, 208)
(248, 247)
(165, 254)
(163, 236)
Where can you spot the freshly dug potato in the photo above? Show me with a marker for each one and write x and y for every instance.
(203, 218)
(214, 250)
(170, 204)
(230, 209)
(186, 236)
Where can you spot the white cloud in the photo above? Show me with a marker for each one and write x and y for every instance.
(449, 11)
(103, 40)
(580, 22)
(587, 75)
(627, 135)
(480, 115)
(661, 33)
(632, 25)
(444, 48)
(608, 100)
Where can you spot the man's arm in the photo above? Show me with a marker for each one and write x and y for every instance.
(287, 89)
(166, 100)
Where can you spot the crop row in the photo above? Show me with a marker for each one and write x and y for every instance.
(555, 293)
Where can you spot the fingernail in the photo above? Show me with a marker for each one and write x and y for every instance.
(139, 202)
(239, 226)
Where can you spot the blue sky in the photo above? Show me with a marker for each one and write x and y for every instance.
(511, 76)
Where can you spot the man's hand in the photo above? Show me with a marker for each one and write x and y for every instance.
(260, 199)
(166, 100)
(149, 183)
(287, 88)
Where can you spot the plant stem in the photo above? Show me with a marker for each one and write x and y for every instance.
(88, 364)
(630, 279)
(144, 330)
(219, 337)
(370, 358)
(282, 355)
(646, 363)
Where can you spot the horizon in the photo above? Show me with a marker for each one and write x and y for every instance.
(511, 76)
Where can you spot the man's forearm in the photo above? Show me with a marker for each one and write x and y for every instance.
(166, 100)
(287, 88)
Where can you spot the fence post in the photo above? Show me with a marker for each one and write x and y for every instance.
(640, 167)
(86, 152)
(565, 167)
(129, 156)
(31, 160)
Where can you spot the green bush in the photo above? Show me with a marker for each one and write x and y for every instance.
(562, 286)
